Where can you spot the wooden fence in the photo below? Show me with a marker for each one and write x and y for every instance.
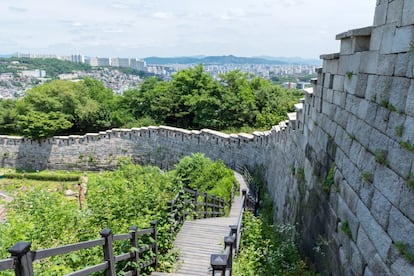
(187, 202)
(192, 203)
(22, 257)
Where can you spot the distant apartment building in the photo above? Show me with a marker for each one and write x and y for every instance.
(137, 64)
(97, 61)
(120, 62)
(37, 73)
(77, 58)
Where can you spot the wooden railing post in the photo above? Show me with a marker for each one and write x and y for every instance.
(244, 193)
(233, 231)
(195, 204)
(154, 236)
(135, 246)
(23, 258)
(205, 204)
(229, 242)
(108, 252)
(218, 262)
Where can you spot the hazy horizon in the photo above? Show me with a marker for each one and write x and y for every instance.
(127, 28)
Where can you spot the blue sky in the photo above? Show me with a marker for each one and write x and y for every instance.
(138, 28)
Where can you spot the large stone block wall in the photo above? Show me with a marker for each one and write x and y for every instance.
(358, 120)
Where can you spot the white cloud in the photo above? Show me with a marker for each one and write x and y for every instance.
(181, 27)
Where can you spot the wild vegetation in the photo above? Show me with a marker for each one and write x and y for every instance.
(268, 249)
(131, 195)
(192, 99)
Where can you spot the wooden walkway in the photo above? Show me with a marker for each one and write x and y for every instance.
(198, 239)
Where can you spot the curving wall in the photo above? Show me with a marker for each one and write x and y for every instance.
(358, 122)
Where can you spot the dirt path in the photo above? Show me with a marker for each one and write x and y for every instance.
(6, 199)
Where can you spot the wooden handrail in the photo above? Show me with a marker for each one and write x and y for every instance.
(224, 262)
(23, 257)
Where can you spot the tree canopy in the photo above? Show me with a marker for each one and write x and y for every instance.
(192, 99)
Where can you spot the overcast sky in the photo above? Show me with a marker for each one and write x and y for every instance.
(142, 28)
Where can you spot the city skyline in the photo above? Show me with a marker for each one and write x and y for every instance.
(180, 28)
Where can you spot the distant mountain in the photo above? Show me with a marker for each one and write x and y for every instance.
(5, 56)
(210, 60)
(294, 60)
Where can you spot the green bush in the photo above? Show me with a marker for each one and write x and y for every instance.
(268, 250)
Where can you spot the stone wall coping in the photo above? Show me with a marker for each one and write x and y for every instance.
(366, 31)
(329, 56)
(292, 116)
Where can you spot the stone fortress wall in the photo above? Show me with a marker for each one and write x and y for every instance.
(357, 121)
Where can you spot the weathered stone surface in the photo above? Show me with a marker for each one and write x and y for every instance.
(399, 93)
(380, 209)
(386, 64)
(378, 266)
(388, 183)
(381, 14)
(401, 65)
(408, 133)
(400, 160)
(369, 60)
(409, 107)
(407, 202)
(374, 231)
(357, 264)
(402, 39)
(394, 12)
(400, 227)
(408, 11)
(388, 35)
(366, 244)
(402, 267)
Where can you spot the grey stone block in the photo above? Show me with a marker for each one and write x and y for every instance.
(365, 244)
(400, 160)
(400, 227)
(387, 38)
(375, 232)
(388, 183)
(371, 93)
(402, 39)
(380, 16)
(407, 202)
(383, 88)
(349, 196)
(386, 64)
(394, 12)
(408, 134)
(338, 83)
(378, 266)
(399, 91)
(402, 267)
(357, 263)
(346, 46)
(381, 119)
(345, 214)
(408, 11)
(401, 65)
(366, 162)
(409, 107)
(380, 208)
(395, 125)
(377, 141)
(369, 62)
(376, 40)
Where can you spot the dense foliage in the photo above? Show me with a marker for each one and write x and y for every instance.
(268, 249)
(192, 99)
(131, 195)
(52, 66)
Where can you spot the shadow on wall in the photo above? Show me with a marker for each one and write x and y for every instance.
(33, 155)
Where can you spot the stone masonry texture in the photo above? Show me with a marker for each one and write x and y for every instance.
(357, 122)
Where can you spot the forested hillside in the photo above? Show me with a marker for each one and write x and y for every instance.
(192, 99)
